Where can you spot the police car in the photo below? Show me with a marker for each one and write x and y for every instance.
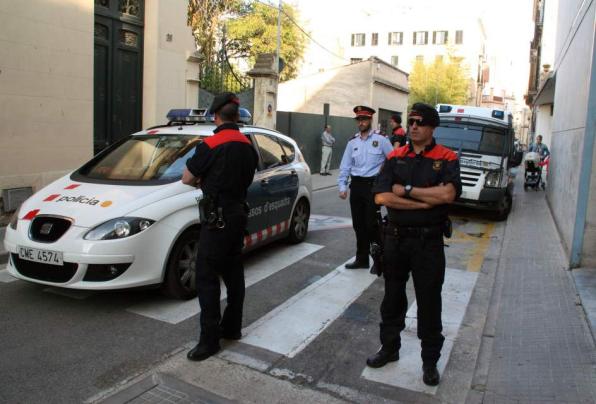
(124, 219)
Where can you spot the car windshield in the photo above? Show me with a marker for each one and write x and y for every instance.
(143, 158)
(472, 138)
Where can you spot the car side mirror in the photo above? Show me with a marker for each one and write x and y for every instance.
(517, 158)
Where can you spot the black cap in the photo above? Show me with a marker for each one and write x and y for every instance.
(221, 100)
(362, 111)
(429, 115)
(396, 118)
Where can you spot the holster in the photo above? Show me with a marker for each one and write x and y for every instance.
(210, 214)
(447, 228)
(377, 248)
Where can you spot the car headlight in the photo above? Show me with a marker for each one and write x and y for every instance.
(14, 219)
(493, 179)
(118, 228)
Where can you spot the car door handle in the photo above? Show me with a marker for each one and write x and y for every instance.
(293, 173)
(265, 181)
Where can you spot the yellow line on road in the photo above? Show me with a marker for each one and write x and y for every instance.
(480, 248)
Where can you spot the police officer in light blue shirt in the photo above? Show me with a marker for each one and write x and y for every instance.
(361, 162)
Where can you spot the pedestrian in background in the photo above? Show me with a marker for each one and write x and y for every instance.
(398, 134)
(328, 141)
(416, 184)
(223, 166)
(540, 148)
(361, 162)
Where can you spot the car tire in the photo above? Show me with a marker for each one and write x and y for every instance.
(504, 207)
(180, 279)
(299, 222)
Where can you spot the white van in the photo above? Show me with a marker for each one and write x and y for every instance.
(484, 141)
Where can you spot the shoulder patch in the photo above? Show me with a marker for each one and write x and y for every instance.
(400, 152)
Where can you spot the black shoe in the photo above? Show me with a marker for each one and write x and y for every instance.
(202, 352)
(327, 174)
(357, 264)
(430, 375)
(381, 358)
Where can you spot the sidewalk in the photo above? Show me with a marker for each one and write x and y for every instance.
(320, 182)
(536, 335)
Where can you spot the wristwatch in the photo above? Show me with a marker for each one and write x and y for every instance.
(408, 189)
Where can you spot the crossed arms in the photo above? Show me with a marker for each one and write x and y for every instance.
(420, 198)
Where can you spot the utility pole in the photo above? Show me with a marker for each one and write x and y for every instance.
(278, 38)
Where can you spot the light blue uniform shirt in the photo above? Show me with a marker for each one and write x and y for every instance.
(363, 158)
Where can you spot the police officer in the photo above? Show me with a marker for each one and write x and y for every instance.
(361, 162)
(398, 134)
(416, 184)
(223, 166)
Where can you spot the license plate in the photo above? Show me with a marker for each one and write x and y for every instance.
(42, 256)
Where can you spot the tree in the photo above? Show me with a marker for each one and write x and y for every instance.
(254, 31)
(439, 82)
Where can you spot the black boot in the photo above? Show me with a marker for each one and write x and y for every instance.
(202, 351)
(233, 335)
(430, 375)
(381, 358)
(357, 263)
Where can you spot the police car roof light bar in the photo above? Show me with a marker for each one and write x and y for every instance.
(191, 116)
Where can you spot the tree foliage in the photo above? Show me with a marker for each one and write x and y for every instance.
(249, 28)
(439, 82)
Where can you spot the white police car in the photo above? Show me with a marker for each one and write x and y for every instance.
(125, 220)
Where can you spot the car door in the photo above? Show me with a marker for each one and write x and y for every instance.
(278, 181)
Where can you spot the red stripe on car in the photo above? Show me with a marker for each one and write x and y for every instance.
(73, 186)
(31, 214)
(51, 197)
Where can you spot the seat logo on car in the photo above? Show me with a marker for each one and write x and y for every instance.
(78, 199)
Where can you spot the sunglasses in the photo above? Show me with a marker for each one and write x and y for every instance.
(418, 122)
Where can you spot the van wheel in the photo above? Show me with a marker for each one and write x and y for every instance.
(180, 279)
(504, 207)
(299, 222)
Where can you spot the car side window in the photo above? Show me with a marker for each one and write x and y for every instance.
(288, 149)
(272, 154)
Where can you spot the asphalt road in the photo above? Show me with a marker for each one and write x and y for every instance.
(59, 346)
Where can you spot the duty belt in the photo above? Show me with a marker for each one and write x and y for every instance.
(366, 180)
(414, 232)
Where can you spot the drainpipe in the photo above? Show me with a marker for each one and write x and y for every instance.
(586, 169)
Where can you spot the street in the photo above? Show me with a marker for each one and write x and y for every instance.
(306, 319)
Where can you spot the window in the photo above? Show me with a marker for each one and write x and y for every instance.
(272, 154)
(288, 149)
(358, 39)
(355, 60)
(394, 60)
(440, 37)
(396, 38)
(374, 41)
(420, 37)
(459, 37)
(419, 58)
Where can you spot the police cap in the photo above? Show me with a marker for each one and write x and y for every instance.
(429, 115)
(221, 100)
(362, 111)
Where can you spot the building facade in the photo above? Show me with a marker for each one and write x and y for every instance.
(371, 82)
(76, 75)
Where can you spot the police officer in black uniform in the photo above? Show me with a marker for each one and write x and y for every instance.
(416, 184)
(223, 166)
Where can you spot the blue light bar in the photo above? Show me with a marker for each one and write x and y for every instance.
(201, 115)
(498, 114)
(444, 109)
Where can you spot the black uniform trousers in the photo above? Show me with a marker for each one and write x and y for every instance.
(424, 257)
(220, 255)
(364, 220)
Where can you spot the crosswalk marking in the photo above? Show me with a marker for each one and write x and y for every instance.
(257, 268)
(5, 277)
(293, 325)
(322, 222)
(407, 372)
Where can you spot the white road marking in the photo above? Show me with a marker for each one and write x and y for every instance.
(5, 277)
(407, 372)
(70, 293)
(290, 327)
(259, 267)
(321, 222)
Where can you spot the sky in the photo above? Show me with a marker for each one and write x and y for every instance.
(508, 23)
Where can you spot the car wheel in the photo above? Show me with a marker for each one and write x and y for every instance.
(180, 279)
(299, 222)
(504, 207)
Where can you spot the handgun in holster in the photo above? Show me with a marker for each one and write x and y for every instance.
(209, 213)
(377, 247)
